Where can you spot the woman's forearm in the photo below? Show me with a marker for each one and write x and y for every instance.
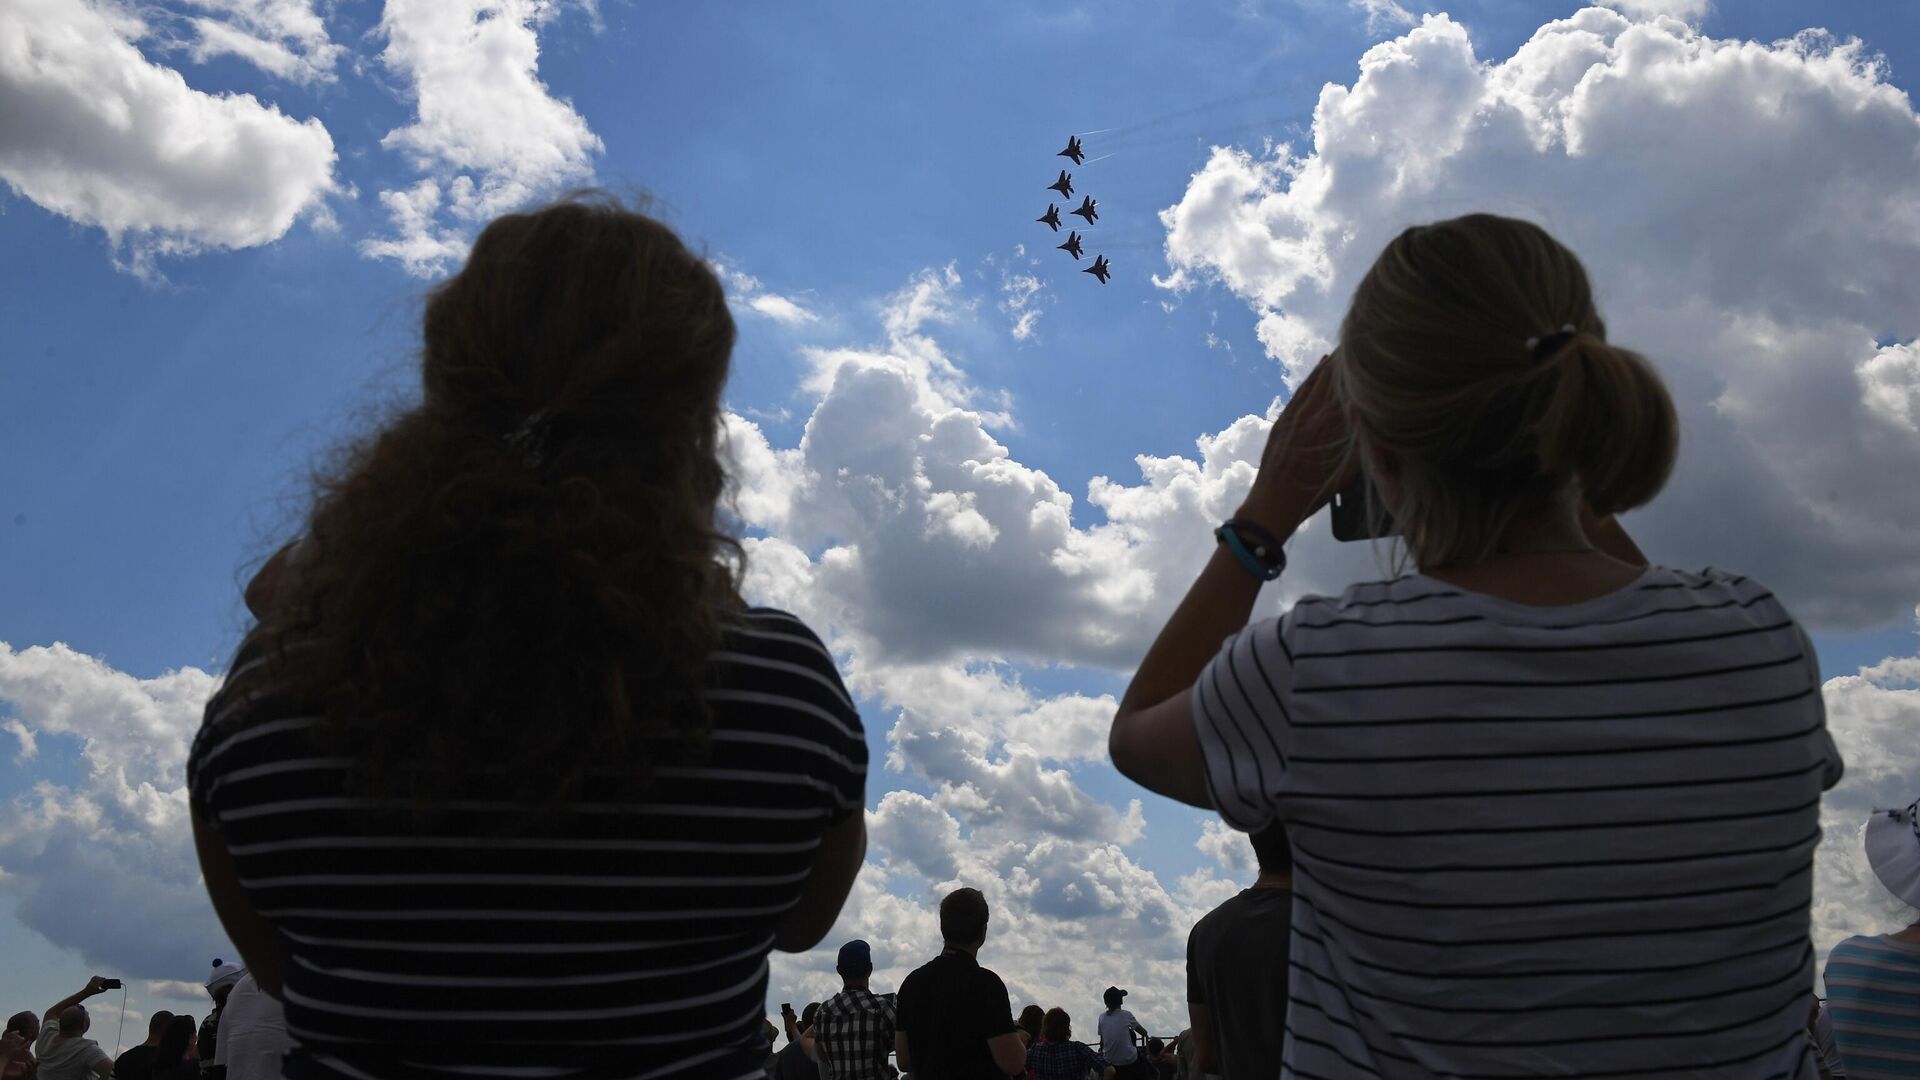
(1219, 602)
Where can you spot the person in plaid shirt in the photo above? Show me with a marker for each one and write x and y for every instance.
(1057, 1057)
(854, 1030)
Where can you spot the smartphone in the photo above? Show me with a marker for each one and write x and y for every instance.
(1349, 510)
(786, 1007)
(111, 984)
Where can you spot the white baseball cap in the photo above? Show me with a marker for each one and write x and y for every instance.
(1893, 850)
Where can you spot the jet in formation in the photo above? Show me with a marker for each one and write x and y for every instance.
(1088, 209)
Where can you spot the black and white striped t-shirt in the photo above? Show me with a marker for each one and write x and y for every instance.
(1535, 841)
(607, 944)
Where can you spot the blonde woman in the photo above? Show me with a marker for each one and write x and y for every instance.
(1552, 808)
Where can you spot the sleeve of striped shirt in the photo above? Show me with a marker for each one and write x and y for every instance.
(1240, 715)
(847, 775)
(1835, 766)
(200, 775)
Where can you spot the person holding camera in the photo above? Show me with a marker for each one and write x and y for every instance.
(1552, 808)
(63, 1050)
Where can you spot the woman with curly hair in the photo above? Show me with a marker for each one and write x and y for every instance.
(508, 779)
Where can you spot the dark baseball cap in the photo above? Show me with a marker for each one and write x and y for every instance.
(855, 955)
(1113, 995)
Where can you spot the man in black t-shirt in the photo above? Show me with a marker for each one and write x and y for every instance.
(1237, 968)
(137, 1062)
(955, 1022)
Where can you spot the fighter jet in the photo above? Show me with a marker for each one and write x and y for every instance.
(1072, 246)
(1087, 210)
(1099, 268)
(1064, 185)
(1051, 218)
(1072, 150)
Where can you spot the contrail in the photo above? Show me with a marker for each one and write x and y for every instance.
(1102, 157)
(1096, 131)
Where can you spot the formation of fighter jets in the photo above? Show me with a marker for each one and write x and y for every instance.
(1088, 209)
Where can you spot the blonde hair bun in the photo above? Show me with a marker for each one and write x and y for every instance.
(1444, 359)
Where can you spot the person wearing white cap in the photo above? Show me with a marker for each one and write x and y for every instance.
(219, 986)
(1873, 983)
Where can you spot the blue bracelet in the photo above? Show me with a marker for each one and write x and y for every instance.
(1229, 534)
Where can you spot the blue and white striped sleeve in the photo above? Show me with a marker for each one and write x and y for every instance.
(1240, 715)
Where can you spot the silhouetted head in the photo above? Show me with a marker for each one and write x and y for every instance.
(550, 498)
(963, 918)
(74, 1020)
(25, 1024)
(1057, 1026)
(1113, 997)
(1469, 406)
(157, 1025)
(176, 1042)
(855, 962)
(1031, 1020)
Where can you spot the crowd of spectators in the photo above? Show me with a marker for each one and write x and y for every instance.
(244, 1037)
(508, 780)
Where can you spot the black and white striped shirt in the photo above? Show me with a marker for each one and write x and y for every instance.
(1535, 841)
(608, 944)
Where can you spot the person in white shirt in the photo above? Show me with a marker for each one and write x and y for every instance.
(253, 1037)
(1117, 1026)
(63, 1050)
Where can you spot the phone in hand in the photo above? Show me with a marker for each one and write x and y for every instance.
(786, 1008)
(110, 984)
(1349, 510)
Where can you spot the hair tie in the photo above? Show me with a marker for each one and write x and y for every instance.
(1547, 344)
(529, 440)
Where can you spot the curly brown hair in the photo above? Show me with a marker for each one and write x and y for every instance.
(524, 568)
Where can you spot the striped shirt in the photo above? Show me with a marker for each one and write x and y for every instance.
(1873, 994)
(1570, 841)
(627, 939)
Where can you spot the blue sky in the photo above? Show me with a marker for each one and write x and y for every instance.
(160, 411)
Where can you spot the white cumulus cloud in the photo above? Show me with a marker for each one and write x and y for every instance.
(487, 133)
(285, 38)
(105, 866)
(1767, 312)
(96, 132)
(1873, 716)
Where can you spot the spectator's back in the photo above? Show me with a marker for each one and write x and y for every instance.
(1583, 832)
(509, 780)
(1553, 809)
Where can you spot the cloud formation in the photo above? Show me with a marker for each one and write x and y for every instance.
(1784, 319)
(284, 38)
(105, 865)
(1873, 715)
(487, 134)
(95, 132)
(750, 296)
